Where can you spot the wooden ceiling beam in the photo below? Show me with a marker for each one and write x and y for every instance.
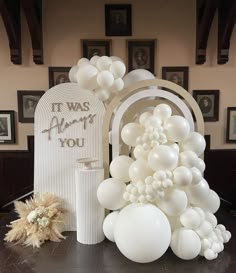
(33, 13)
(226, 22)
(10, 12)
(205, 13)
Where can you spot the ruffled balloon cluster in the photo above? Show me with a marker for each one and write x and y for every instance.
(103, 75)
(159, 195)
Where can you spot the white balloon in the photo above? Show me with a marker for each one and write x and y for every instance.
(72, 73)
(102, 94)
(86, 77)
(185, 243)
(200, 213)
(194, 142)
(83, 61)
(117, 85)
(209, 254)
(162, 157)
(143, 117)
(198, 193)
(94, 60)
(174, 202)
(142, 232)
(140, 152)
(212, 202)
(190, 218)
(110, 194)
(197, 175)
(177, 128)
(188, 159)
(182, 176)
(204, 229)
(137, 75)
(139, 170)
(174, 222)
(119, 167)
(103, 63)
(130, 132)
(109, 225)
(210, 217)
(163, 111)
(105, 79)
(118, 69)
(200, 164)
(153, 121)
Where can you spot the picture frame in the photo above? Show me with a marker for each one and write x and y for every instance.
(118, 20)
(27, 102)
(141, 54)
(91, 47)
(7, 127)
(58, 74)
(231, 125)
(176, 74)
(208, 101)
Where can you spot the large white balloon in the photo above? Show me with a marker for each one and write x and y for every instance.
(194, 142)
(142, 232)
(185, 243)
(137, 75)
(212, 202)
(174, 202)
(163, 111)
(177, 128)
(117, 68)
(119, 167)
(188, 159)
(86, 77)
(182, 176)
(198, 193)
(105, 79)
(139, 170)
(162, 157)
(197, 175)
(109, 225)
(130, 132)
(110, 193)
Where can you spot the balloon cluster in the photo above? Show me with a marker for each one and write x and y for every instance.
(103, 75)
(166, 201)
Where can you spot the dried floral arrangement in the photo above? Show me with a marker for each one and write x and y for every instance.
(41, 219)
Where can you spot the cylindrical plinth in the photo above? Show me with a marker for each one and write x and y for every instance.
(90, 214)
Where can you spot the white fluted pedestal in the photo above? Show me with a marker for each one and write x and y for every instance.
(90, 214)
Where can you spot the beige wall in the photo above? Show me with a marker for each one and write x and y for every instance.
(172, 23)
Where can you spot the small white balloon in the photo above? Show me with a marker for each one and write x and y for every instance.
(143, 117)
(163, 111)
(117, 68)
(103, 63)
(83, 61)
(86, 77)
(185, 243)
(210, 217)
(153, 121)
(190, 218)
(188, 159)
(119, 167)
(204, 229)
(163, 157)
(177, 128)
(140, 152)
(139, 170)
(110, 193)
(117, 86)
(130, 132)
(198, 193)
(94, 60)
(200, 164)
(174, 202)
(105, 79)
(194, 142)
(209, 254)
(72, 73)
(200, 213)
(182, 176)
(212, 202)
(102, 94)
(109, 225)
(196, 175)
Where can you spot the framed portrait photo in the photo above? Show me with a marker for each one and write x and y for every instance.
(92, 48)
(27, 102)
(208, 101)
(176, 74)
(57, 75)
(141, 54)
(7, 127)
(231, 125)
(118, 20)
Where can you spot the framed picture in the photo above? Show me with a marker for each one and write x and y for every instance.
(92, 48)
(208, 101)
(58, 74)
(27, 102)
(118, 20)
(231, 125)
(7, 127)
(176, 74)
(141, 54)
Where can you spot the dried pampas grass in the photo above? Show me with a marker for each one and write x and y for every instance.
(41, 219)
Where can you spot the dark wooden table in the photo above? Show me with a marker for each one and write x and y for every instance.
(69, 256)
